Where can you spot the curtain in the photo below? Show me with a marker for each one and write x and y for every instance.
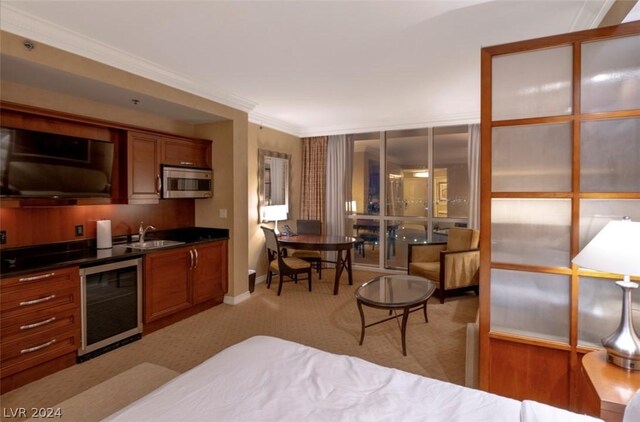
(312, 198)
(474, 176)
(339, 159)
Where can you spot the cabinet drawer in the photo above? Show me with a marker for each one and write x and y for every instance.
(69, 275)
(58, 295)
(40, 321)
(27, 351)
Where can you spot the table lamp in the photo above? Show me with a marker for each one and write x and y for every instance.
(274, 213)
(616, 249)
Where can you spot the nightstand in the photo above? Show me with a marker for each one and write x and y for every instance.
(609, 385)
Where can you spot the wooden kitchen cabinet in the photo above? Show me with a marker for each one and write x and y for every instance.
(166, 283)
(186, 152)
(146, 152)
(210, 272)
(143, 167)
(183, 281)
(40, 325)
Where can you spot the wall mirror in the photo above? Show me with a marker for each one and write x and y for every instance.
(273, 178)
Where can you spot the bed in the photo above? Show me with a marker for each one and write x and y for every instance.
(270, 379)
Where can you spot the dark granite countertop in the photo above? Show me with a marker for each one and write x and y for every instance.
(28, 259)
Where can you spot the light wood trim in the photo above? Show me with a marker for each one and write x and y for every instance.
(574, 361)
(532, 195)
(609, 195)
(485, 222)
(531, 341)
(533, 121)
(630, 28)
(611, 115)
(531, 268)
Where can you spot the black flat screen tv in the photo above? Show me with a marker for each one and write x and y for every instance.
(44, 165)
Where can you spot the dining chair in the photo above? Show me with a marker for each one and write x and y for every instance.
(454, 265)
(312, 257)
(281, 264)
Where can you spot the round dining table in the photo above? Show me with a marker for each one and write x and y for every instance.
(342, 245)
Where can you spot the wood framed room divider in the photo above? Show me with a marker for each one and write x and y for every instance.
(560, 158)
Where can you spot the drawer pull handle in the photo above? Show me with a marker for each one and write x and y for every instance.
(34, 301)
(37, 324)
(36, 277)
(187, 163)
(36, 348)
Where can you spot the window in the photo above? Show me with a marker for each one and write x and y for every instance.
(421, 177)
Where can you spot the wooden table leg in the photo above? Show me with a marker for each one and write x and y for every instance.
(361, 320)
(341, 263)
(425, 312)
(348, 265)
(405, 317)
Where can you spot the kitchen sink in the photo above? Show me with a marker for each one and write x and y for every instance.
(153, 244)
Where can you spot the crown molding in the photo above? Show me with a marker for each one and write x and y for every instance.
(26, 25)
(429, 121)
(590, 15)
(273, 123)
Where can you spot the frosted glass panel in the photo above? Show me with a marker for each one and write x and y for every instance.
(531, 231)
(531, 158)
(532, 84)
(610, 156)
(611, 75)
(599, 308)
(531, 304)
(596, 213)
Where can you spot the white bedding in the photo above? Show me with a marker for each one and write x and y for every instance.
(269, 379)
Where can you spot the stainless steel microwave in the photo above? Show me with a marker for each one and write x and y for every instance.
(186, 182)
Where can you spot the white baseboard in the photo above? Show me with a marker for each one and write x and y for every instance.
(234, 300)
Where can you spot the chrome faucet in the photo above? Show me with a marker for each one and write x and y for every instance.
(142, 231)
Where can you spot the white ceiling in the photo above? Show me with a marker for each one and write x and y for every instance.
(307, 68)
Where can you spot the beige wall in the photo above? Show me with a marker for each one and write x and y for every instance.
(230, 151)
(272, 140)
(230, 195)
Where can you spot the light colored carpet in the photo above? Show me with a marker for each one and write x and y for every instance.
(109, 396)
(317, 319)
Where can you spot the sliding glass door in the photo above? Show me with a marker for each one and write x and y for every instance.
(421, 178)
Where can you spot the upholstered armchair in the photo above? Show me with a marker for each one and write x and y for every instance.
(453, 266)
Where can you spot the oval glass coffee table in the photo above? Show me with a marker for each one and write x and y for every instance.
(395, 292)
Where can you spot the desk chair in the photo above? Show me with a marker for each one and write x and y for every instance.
(312, 257)
(282, 265)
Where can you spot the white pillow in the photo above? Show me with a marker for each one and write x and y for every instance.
(632, 411)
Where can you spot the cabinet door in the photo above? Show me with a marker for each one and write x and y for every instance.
(210, 272)
(186, 152)
(143, 166)
(166, 283)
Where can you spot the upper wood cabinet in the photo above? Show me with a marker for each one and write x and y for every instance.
(186, 152)
(145, 154)
(143, 167)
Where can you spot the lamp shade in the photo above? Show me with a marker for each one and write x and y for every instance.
(274, 213)
(616, 249)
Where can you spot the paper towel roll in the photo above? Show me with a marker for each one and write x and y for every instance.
(104, 234)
